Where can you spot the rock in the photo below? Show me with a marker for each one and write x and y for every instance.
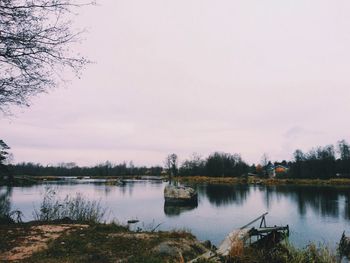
(116, 182)
(167, 248)
(175, 248)
(179, 194)
(207, 244)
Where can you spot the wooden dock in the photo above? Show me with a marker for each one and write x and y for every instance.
(252, 236)
(246, 236)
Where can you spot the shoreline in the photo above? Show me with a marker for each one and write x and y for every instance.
(252, 180)
(26, 180)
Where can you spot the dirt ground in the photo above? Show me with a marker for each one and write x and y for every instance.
(34, 239)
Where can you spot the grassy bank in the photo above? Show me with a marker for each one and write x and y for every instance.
(42, 242)
(262, 181)
(57, 242)
(19, 181)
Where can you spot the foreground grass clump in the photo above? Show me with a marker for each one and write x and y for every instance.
(285, 253)
(75, 208)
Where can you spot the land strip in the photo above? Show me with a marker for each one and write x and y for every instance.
(261, 181)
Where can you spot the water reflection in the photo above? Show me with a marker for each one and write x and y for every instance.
(129, 185)
(347, 207)
(172, 209)
(5, 204)
(105, 189)
(324, 200)
(223, 195)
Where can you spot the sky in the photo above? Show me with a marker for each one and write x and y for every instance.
(185, 76)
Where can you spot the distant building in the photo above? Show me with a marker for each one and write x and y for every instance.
(278, 169)
(281, 169)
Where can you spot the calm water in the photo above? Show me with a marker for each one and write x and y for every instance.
(318, 214)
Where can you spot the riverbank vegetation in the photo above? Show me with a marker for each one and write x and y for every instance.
(255, 180)
(286, 253)
(75, 208)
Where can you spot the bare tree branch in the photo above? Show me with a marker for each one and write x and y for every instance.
(35, 45)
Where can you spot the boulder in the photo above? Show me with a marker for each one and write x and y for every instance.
(168, 248)
(182, 194)
(178, 248)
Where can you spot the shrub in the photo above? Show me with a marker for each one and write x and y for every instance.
(75, 208)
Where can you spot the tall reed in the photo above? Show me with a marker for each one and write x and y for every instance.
(75, 208)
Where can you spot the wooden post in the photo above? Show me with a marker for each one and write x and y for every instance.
(256, 219)
(263, 221)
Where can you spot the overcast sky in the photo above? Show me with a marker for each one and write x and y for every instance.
(186, 76)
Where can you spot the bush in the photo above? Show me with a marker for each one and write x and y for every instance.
(286, 253)
(75, 208)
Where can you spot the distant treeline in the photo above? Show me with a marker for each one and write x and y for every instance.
(216, 164)
(321, 162)
(71, 169)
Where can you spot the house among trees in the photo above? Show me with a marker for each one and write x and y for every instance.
(281, 169)
(276, 169)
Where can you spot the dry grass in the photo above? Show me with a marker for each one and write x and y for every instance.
(263, 181)
(285, 253)
(237, 249)
(212, 180)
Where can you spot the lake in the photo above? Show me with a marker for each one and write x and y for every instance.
(314, 213)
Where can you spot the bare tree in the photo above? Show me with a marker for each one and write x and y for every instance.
(344, 150)
(171, 164)
(265, 159)
(3, 157)
(35, 47)
(3, 151)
